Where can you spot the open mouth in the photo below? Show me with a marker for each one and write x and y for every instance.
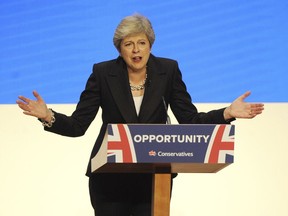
(137, 58)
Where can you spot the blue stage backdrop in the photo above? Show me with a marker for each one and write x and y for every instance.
(223, 47)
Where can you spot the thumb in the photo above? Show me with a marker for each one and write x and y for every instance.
(245, 95)
(37, 96)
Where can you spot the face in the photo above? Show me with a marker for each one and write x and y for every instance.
(135, 50)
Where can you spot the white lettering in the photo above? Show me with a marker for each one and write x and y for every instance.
(137, 138)
(171, 138)
(175, 154)
(206, 138)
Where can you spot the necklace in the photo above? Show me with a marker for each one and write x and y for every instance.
(138, 87)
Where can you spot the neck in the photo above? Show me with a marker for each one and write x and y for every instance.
(137, 77)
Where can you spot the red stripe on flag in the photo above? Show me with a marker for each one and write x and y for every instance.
(122, 145)
(219, 145)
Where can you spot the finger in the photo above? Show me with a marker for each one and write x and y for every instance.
(260, 106)
(29, 113)
(20, 102)
(258, 111)
(37, 96)
(23, 107)
(255, 111)
(26, 100)
(257, 107)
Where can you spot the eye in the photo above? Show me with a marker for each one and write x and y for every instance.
(128, 44)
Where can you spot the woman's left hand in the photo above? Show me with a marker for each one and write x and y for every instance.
(241, 109)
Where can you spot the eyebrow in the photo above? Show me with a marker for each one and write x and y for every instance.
(130, 41)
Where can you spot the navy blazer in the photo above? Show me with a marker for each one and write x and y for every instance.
(108, 88)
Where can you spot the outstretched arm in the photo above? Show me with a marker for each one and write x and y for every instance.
(241, 109)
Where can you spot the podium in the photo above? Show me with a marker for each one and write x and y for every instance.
(163, 149)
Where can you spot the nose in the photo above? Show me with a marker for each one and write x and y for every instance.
(135, 48)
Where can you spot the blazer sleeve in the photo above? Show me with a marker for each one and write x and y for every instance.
(183, 108)
(85, 112)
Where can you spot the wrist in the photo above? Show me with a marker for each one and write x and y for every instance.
(227, 113)
(48, 116)
(49, 119)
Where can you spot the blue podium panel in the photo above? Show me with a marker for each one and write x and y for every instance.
(165, 148)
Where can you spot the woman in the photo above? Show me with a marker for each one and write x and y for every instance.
(130, 89)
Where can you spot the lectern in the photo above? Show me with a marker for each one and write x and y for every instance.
(164, 149)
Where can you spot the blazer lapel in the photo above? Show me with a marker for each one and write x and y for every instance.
(153, 92)
(119, 85)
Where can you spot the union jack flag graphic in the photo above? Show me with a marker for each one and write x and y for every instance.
(221, 145)
(121, 145)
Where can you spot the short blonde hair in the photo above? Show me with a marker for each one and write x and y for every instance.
(130, 25)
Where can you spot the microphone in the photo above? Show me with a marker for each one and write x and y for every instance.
(168, 121)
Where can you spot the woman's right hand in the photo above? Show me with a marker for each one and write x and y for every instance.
(37, 108)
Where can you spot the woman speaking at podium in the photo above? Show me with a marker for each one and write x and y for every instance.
(132, 88)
